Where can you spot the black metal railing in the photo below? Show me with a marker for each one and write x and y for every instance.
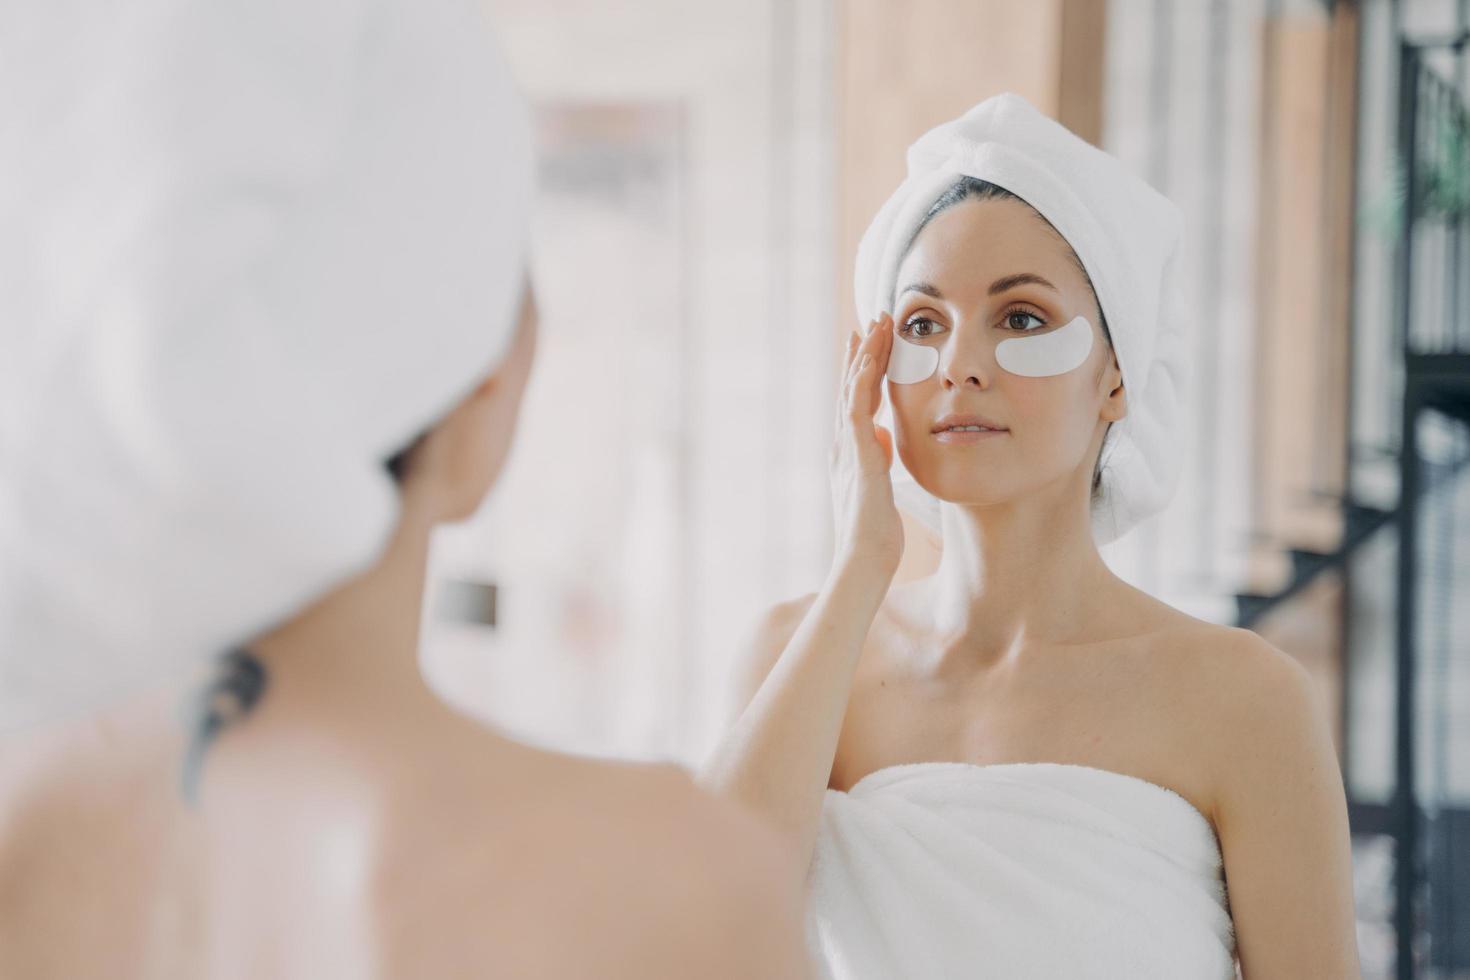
(1429, 827)
(1431, 835)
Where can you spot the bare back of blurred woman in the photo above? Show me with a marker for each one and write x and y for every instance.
(338, 819)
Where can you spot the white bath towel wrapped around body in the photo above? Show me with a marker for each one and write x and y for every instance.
(1020, 871)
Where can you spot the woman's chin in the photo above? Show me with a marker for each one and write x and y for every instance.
(962, 489)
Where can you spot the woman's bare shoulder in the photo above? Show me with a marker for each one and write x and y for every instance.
(1216, 654)
(1238, 674)
(94, 847)
(1225, 682)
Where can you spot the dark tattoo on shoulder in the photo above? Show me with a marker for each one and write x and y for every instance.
(236, 688)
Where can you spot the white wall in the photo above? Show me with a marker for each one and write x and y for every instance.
(724, 507)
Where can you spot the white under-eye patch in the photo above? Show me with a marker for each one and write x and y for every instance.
(1056, 352)
(910, 363)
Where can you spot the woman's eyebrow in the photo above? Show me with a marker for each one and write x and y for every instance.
(1020, 279)
(999, 286)
(922, 287)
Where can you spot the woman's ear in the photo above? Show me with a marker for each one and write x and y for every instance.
(1110, 386)
(463, 455)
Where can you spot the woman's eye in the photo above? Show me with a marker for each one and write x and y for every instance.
(1011, 317)
(919, 326)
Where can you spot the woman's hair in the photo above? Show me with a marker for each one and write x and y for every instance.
(399, 463)
(968, 188)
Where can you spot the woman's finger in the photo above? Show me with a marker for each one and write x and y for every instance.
(840, 402)
(859, 419)
(870, 343)
(882, 350)
(852, 369)
(857, 351)
(860, 402)
(859, 348)
(876, 346)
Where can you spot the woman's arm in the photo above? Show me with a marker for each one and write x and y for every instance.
(777, 758)
(1282, 817)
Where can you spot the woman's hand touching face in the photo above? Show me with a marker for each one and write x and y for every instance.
(868, 529)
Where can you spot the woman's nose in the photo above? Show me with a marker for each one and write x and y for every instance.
(966, 359)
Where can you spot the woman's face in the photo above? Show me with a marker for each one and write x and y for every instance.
(982, 274)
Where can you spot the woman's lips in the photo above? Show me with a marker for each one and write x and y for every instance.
(954, 436)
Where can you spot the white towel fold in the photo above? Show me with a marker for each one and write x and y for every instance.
(250, 249)
(1020, 871)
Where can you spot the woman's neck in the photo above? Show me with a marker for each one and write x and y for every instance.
(1017, 575)
(355, 650)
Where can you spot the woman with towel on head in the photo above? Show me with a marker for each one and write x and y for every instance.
(1020, 765)
(267, 322)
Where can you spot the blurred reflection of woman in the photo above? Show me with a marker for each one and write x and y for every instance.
(1021, 765)
(267, 324)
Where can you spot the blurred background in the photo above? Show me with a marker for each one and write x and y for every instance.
(706, 171)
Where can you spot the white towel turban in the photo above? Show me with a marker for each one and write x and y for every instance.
(1127, 236)
(249, 249)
